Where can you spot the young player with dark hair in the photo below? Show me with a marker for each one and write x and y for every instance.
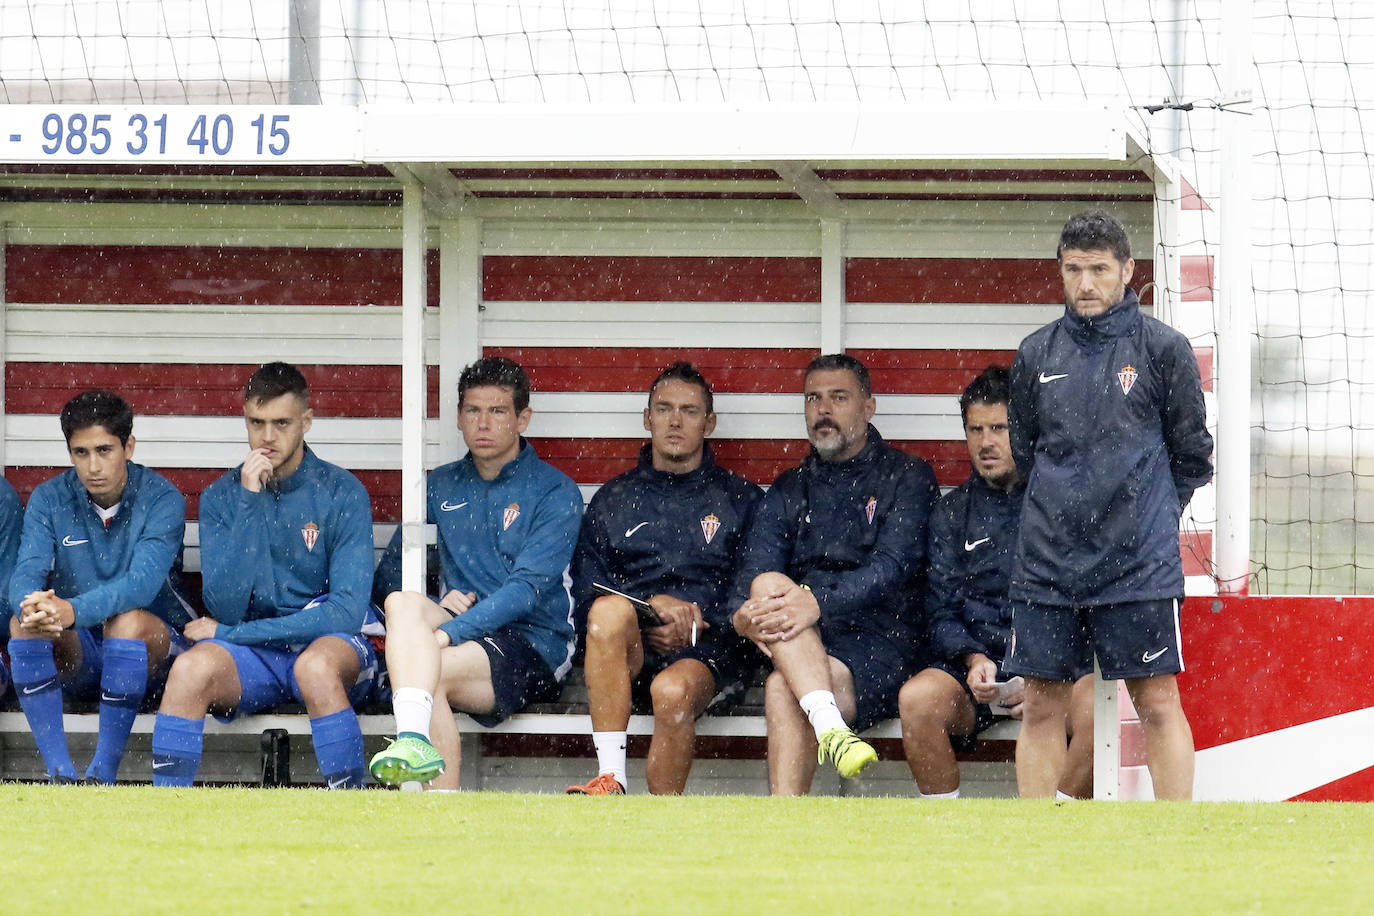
(667, 531)
(93, 591)
(972, 546)
(831, 581)
(1109, 428)
(286, 555)
(500, 636)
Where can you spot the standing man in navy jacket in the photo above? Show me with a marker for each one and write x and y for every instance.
(972, 547)
(831, 584)
(500, 634)
(1108, 426)
(286, 555)
(667, 531)
(92, 594)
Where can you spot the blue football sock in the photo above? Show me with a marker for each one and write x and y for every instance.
(123, 681)
(177, 746)
(339, 749)
(40, 696)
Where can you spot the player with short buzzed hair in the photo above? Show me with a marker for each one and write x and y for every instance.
(93, 594)
(668, 531)
(286, 555)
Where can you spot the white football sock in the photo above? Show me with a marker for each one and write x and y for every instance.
(610, 755)
(820, 709)
(413, 708)
(1060, 795)
(954, 794)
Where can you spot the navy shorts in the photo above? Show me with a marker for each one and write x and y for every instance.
(267, 676)
(519, 676)
(878, 669)
(982, 713)
(733, 661)
(1131, 640)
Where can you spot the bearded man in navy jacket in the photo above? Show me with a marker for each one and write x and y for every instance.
(93, 593)
(1109, 428)
(831, 584)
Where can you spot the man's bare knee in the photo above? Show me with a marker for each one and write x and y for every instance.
(136, 624)
(676, 695)
(768, 584)
(198, 671)
(776, 689)
(319, 670)
(610, 618)
(404, 607)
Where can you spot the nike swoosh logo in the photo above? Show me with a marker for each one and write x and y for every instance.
(635, 528)
(970, 545)
(338, 783)
(162, 765)
(1052, 378)
(445, 507)
(106, 698)
(1151, 656)
(36, 688)
(68, 542)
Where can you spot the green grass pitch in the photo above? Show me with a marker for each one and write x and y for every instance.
(140, 850)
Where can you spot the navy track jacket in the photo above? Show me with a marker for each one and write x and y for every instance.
(650, 532)
(972, 550)
(854, 532)
(1109, 428)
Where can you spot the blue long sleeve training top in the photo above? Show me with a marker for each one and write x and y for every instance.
(508, 541)
(266, 555)
(11, 528)
(854, 532)
(650, 532)
(134, 563)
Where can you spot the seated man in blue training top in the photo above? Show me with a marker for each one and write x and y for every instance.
(95, 609)
(286, 555)
(832, 579)
(11, 524)
(972, 547)
(501, 635)
(667, 531)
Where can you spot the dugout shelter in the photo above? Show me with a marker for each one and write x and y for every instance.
(166, 251)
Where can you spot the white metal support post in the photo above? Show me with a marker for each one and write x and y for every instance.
(413, 385)
(1235, 317)
(832, 286)
(1106, 738)
(460, 328)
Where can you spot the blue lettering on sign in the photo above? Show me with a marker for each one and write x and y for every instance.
(210, 135)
